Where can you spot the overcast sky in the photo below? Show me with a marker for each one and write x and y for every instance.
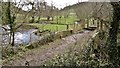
(63, 3)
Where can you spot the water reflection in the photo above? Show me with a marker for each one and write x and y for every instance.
(25, 37)
(21, 37)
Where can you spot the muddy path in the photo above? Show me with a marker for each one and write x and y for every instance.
(37, 56)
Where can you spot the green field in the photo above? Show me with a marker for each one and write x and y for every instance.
(58, 23)
(60, 20)
(57, 19)
(55, 27)
(51, 27)
(63, 20)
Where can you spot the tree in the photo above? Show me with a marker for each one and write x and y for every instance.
(52, 10)
(11, 15)
(113, 54)
(39, 12)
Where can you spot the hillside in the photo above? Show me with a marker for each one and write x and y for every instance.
(90, 9)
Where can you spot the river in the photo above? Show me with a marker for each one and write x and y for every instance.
(21, 37)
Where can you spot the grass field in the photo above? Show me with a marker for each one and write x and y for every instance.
(55, 27)
(51, 27)
(57, 19)
(60, 20)
(63, 20)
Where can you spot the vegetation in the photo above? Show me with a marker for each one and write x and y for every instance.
(64, 20)
(101, 49)
(98, 56)
(50, 27)
(113, 34)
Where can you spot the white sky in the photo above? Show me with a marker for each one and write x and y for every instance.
(63, 3)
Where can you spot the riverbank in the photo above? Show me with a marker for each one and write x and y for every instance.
(41, 54)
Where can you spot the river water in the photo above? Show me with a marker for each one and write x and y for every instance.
(21, 37)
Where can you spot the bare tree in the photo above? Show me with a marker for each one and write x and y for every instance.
(13, 11)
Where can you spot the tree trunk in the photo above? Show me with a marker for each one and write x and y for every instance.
(113, 54)
(10, 22)
(13, 34)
